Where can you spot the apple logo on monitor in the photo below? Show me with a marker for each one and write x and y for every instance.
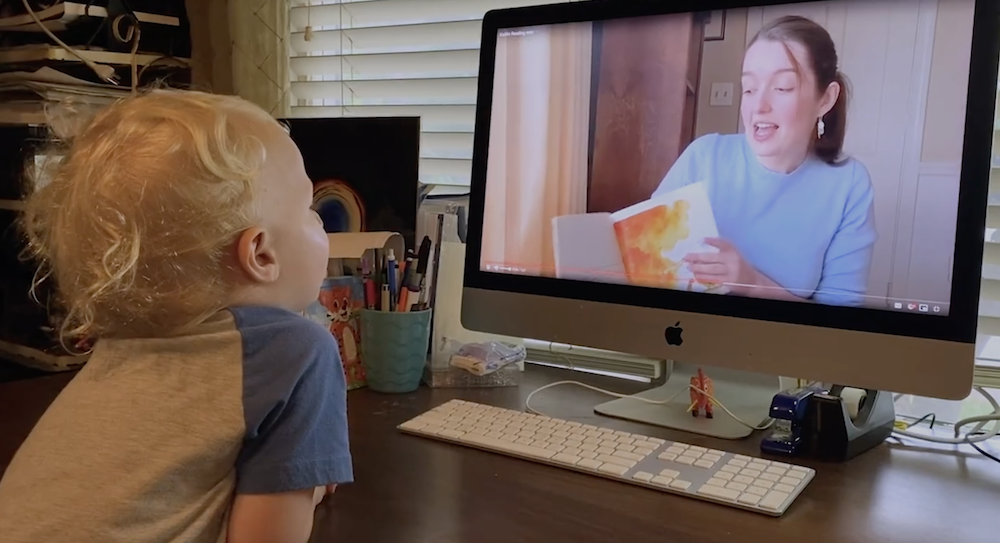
(673, 334)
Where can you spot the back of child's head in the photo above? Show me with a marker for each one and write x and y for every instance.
(140, 213)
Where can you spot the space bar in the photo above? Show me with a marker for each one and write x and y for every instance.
(506, 446)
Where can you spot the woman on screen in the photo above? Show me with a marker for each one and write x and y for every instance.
(795, 218)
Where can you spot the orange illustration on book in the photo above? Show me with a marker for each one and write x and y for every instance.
(645, 239)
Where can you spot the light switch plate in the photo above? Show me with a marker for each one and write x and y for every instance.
(722, 94)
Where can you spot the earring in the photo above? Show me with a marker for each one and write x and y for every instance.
(820, 128)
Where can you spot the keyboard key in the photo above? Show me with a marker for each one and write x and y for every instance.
(788, 489)
(762, 483)
(669, 473)
(790, 481)
(572, 450)
(729, 469)
(724, 475)
(642, 476)
(800, 469)
(412, 425)
(750, 473)
(749, 499)
(704, 464)
(743, 457)
(564, 458)
(743, 479)
(626, 440)
(781, 465)
(613, 469)
(711, 457)
(624, 447)
(624, 462)
(556, 447)
(605, 450)
(675, 450)
(643, 451)
(717, 452)
(773, 500)
(770, 477)
(609, 443)
(661, 480)
(698, 449)
(680, 485)
(757, 490)
(669, 457)
(716, 482)
(797, 475)
(587, 454)
(526, 450)
(738, 463)
(628, 455)
(739, 487)
(757, 466)
(656, 440)
(589, 463)
(719, 492)
(686, 460)
(776, 471)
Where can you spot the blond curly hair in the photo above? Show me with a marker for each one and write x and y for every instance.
(136, 221)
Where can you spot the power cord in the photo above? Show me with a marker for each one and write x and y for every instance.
(527, 401)
(983, 451)
(976, 435)
(104, 72)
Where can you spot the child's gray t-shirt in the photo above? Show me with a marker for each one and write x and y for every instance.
(152, 439)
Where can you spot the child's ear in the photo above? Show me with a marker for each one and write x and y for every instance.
(255, 255)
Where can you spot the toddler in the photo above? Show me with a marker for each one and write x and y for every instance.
(178, 233)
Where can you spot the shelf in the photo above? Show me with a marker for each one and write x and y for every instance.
(58, 54)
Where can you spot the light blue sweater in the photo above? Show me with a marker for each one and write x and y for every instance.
(811, 231)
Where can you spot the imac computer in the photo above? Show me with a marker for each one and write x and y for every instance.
(757, 188)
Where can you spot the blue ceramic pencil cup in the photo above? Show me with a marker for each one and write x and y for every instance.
(394, 349)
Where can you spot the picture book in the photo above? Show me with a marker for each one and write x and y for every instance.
(643, 244)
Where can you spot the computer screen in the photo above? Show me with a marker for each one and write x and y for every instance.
(810, 163)
(805, 152)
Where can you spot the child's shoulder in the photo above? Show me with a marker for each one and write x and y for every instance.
(278, 342)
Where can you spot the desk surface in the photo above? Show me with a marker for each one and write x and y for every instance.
(415, 490)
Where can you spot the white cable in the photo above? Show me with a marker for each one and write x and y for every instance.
(527, 401)
(980, 422)
(106, 73)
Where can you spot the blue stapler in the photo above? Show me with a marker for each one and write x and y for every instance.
(788, 409)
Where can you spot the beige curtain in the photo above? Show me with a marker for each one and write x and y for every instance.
(260, 30)
(539, 138)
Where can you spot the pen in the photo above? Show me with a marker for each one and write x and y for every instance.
(390, 272)
(386, 299)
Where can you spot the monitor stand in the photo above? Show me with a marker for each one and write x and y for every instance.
(747, 395)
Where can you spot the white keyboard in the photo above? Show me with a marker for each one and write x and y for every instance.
(730, 479)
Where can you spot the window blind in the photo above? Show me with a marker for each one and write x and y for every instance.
(369, 58)
(988, 342)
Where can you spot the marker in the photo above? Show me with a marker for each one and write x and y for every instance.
(416, 281)
(393, 278)
(404, 291)
(369, 283)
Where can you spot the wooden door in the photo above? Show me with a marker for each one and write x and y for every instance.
(645, 99)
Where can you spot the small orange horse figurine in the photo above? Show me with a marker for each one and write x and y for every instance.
(699, 401)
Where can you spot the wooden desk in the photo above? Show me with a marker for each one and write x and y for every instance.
(413, 490)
